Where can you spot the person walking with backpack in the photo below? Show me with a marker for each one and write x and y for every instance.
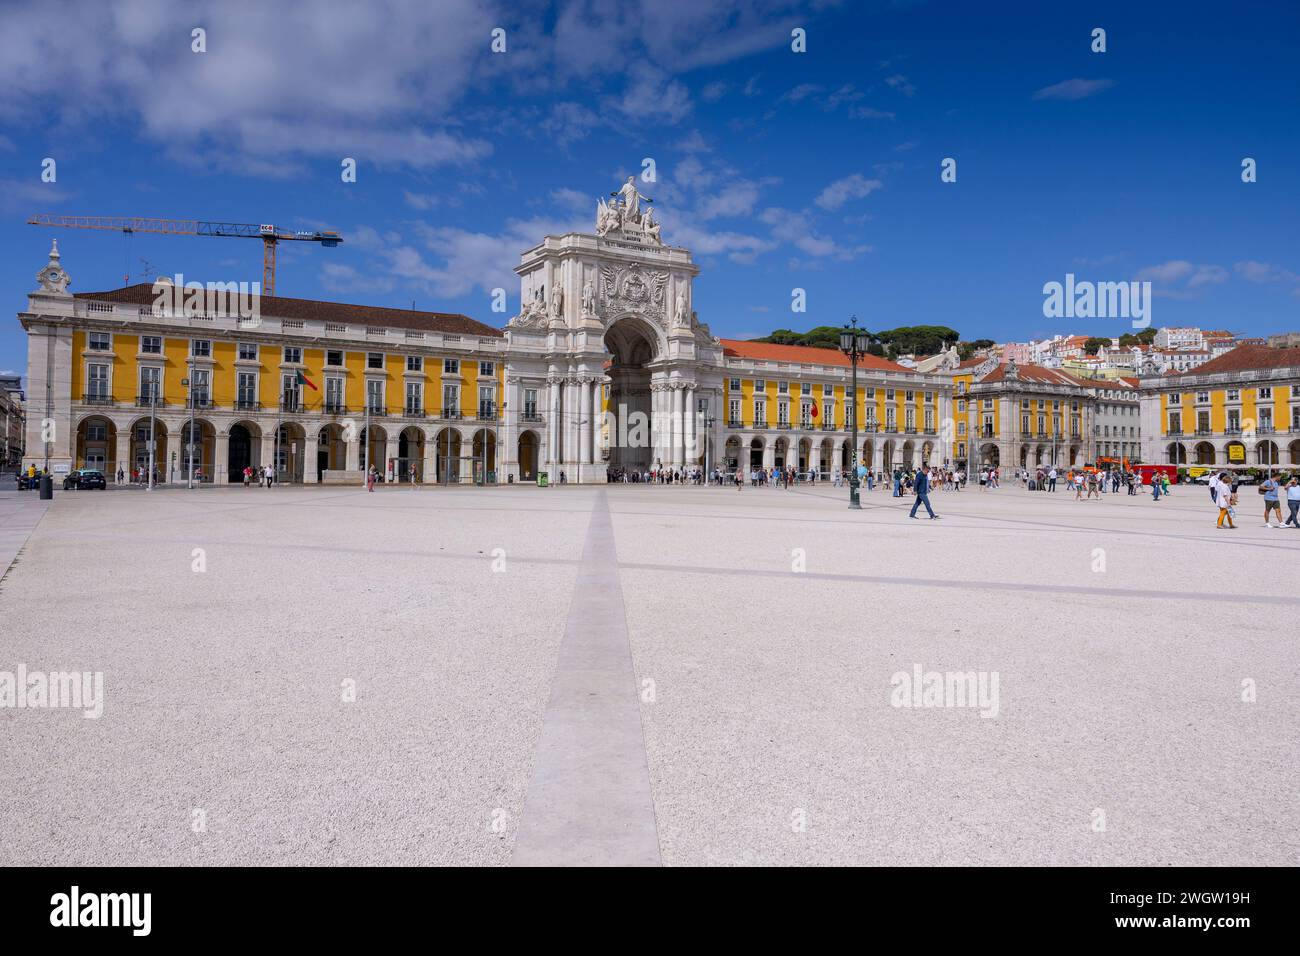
(1269, 489)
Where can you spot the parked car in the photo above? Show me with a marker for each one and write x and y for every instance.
(25, 483)
(85, 478)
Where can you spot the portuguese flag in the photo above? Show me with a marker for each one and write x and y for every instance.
(304, 380)
(814, 408)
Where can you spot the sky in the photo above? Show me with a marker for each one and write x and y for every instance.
(780, 170)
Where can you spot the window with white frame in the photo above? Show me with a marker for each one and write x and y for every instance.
(97, 382)
(150, 383)
(530, 403)
(760, 411)
(247, 352)
(783, 388)
(1265, 393)
(414, 398)
(200, 382)
(487, 403)
(487, 369)
(201, 348)
(246, 389)
(375, 396)
(333, 394)
(334, 358)
(451, 399)
(783, 413)
(414, 363)
(451, 366)
(733, 384)
(733, 410)
(375, 360)
(100, 342)
(151, 344)
(292, 355)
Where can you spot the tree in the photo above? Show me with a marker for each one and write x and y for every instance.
(1094, 343)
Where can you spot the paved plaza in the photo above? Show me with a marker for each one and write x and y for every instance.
(637, 674)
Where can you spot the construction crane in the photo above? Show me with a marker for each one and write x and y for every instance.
(270, 235)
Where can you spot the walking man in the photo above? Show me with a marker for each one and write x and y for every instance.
(923, 493)
(1293, 502)
(1269, 489)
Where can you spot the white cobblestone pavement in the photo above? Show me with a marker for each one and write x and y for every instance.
(705, 673)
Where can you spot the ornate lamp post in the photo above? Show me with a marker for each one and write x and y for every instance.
(853, 343)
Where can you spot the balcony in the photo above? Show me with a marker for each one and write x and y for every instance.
(247, 405)
(735, 424)
(909, 431)
(376, 410)
(1232, 430)
(486, 415)
(1203, 431)
(1264, 429)
(828, 427)
(334, 408)
(144, 401)
(785, 425)
(291, 405)
(930, 431)
(413, 411)
(450, 414)
(1174, 433)
(97, 399)
(530, 417)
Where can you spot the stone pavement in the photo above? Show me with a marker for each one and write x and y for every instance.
(711, 675)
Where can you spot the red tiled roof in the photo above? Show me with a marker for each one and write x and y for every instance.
(285, 308)
(1037, 374)
(805, 354)
(1247, 358)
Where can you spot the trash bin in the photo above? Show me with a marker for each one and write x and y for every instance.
(510, 479)
(541, 479)
(47, 487)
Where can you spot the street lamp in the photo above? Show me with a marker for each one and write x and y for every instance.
(189, 446)
(853, 343)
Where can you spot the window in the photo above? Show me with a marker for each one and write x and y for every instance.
(828, 411)
(414, 363)
(1234, 420)
(988, 426)
(97, 432)
(375, 397)
(1024, 424)
(150, 383)
(760, 386)
(929, 419)
(201, 348)
(1175, 423)
(487, 369)
(487, 404)
(414, 397)
(891, 418)
(1234, 395)
(961, 427)
(988, 403)
(375, 360)
(247, 352)
(1175, 399)
(1202, 423)
(200, 380)
(151, 344)
(1266, 393)
(334, 358)
(333, 394)
(783, 388)
(889, 394)
(246, 389)
(292, 355)
(97, 382)
(733, 411)
(451, 366)
(760, 412)
(1056, 406)
(101, 341)
(783, 413)
(910, 419)
(828, 391)
(805, 414)
(1042, 424)
(289, 392)
(805, 388)
(733, 384)
(909, 396)
(530, 403)
(451, 399)
(961, 405)
(1202, 398)
(929, 396)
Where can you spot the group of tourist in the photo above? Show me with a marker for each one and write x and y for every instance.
(1224, 496)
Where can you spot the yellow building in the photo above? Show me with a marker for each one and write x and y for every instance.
(1239, 410)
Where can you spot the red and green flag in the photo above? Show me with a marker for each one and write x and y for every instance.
(304, 380)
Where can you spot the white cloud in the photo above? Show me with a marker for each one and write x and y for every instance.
(900, 83)
(1075, 89)
(841, 191)
(1166, 272)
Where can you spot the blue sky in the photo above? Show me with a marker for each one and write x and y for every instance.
(816, 170)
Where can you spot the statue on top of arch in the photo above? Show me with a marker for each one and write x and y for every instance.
(623, 216)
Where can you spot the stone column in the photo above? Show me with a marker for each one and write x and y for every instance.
(122, 452)
(390, 457)
(678, 413)
(430, 463)
(221, 456)
(769, 451)
(584, 421)
(553, 424)
(310, 447)
(352, 450)
(597, 419)
(268, 448)
(691, 451)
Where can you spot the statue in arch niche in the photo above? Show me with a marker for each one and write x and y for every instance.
(681, 311)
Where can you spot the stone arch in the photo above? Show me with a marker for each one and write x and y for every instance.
(757, 446)
(96, 445)
(203, 451)
(447, 450)
(483, 446)
(410, 453)
(529, 442)
(1266, 453)
(731, 452)
(1239, 458)
(290, 452)
(1176, 453)
(1294, 448)
(374, 447)
(634, 345)
(331, 449)
(138, 454)
(1204, 453)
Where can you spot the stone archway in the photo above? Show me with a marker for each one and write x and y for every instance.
(633, 345)
(97, 445)
(243, 450)
(1204, 453)
(528, 456)
(410, 454)
(756, 453)
(1266, 454)
(1176, 453)
(331, 450)
(731, 453)
(1294, 448)
(290, 453)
